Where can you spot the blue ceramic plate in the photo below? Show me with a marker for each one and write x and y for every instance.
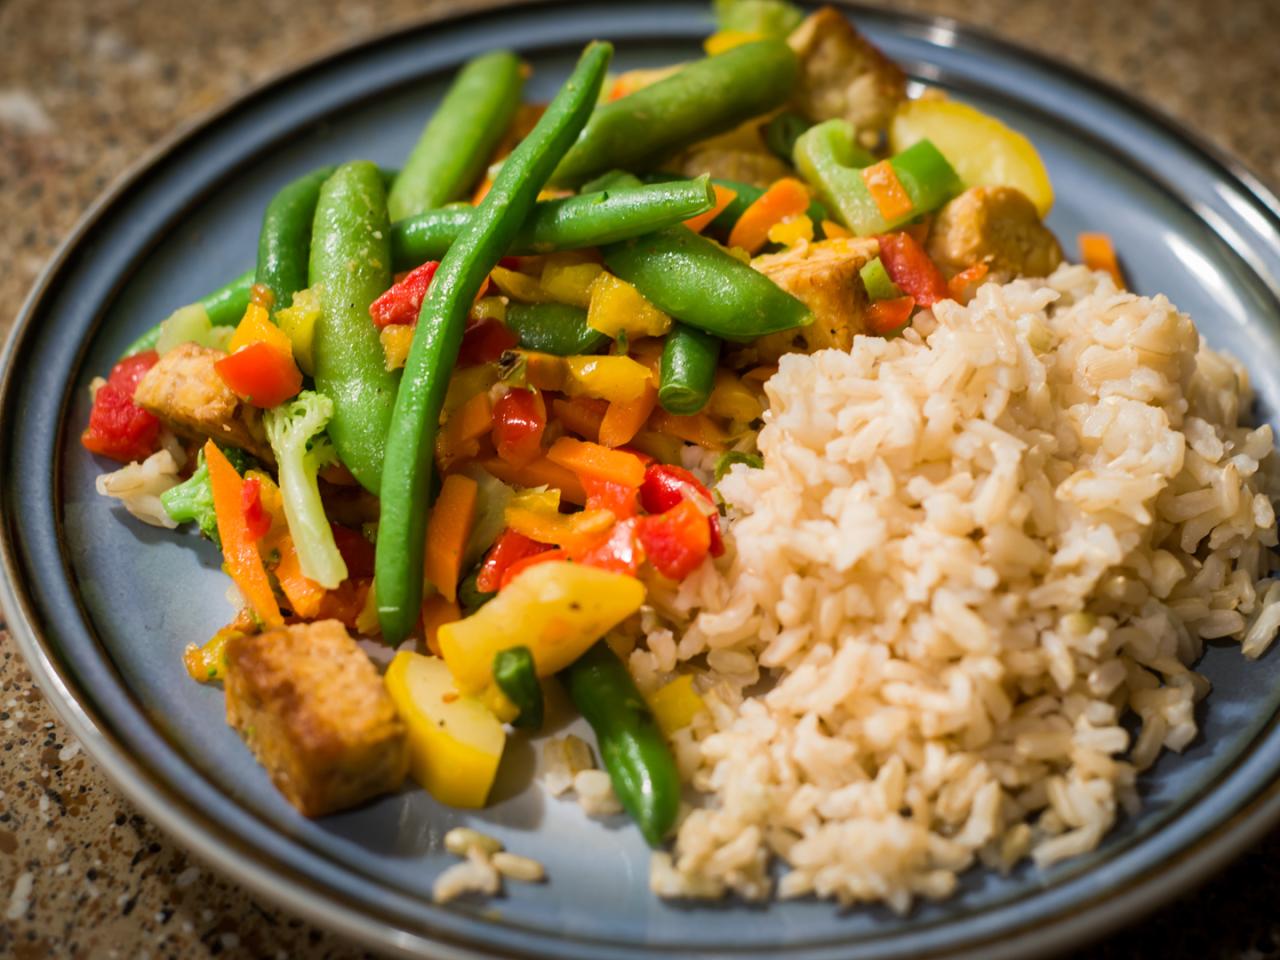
(103, 606)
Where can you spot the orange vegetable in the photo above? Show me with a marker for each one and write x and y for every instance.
(886, 316)
(698, 428)
(724, 197)
(887, 190)
(447, 532)
(833, 231)
(256, 327)
(261, 374)
(436, 612)
(970, 276)
(540, 473)
(459, 440)
(240, 554)
(791, 231)
(304, 596)
(787, 197)
(593, 460)
(583, 415)
(622, 421)
(575, 532)
(1098, 253)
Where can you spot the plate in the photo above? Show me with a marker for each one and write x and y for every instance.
(102, 606)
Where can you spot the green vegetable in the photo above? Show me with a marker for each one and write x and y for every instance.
(461, 135)
(492, 497)
(688, 371)
(411, 442)
(570, 223)
(631, 744)
(284, 243)
(782, 132)
(773, 18)
(470, 597)
(294, 430)
(828, 157)
(517, 677)
(192, 500)
(224, 308)
(700, 100)
(876, 279)
(727, 460)
(351, 266)
(190, 324)
(553, 328)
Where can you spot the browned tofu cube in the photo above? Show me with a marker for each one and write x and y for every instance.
(843, 75)
(313, 709)
(825, 276)
(184, 390)
(998, 226)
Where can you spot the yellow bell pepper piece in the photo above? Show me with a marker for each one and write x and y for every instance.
(732, 399)
(455, 743)
(572, 531)
(545, 500)
(298, 321)
(560, 609)
(675, 704)
(569, 281)
(791, 231)
(396, 341)
(256, 327)
(466, 383)
(616, 306)
(723, 40)
(490, 308)
(610, 378)
(520, 286)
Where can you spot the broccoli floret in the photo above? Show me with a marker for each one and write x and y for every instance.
(296, 433)
(192, 501)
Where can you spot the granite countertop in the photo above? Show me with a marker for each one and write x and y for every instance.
(86, 88)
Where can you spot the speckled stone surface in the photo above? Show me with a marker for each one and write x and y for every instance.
(86, 88)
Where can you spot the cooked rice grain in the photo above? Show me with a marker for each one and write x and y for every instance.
(973, 550)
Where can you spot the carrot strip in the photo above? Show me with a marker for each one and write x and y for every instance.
(1098, 253)
(968, 277)
(724, 197)
(593, 460)
(834, 231)
(583, 415)
(540, 473)
(464, 427)
(305, 596)
(787, 197)
(622, 421)
(887, 191)
(239, 552)
(436, 612)
(447, 532)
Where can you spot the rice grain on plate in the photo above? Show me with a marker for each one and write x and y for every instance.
(971, 551)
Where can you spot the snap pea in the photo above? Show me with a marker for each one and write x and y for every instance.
(687, 374)
(697, 281)
(284, 244)
(557, 328)
(517, 677)
(461, 135)
(707, 97)
(351, 263)
(225, 306)
(411, 442)
(570, 223)
(631, 744)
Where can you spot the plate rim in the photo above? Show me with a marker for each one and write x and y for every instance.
(280, 883)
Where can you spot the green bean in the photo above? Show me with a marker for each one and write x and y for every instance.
(707, 97)
(631, 744)
(461, 135)
(517, 677)
(284, 245)
(557, 328)
(224, 306)
(688, 370)
(411, 442)
(697, 281)
(351, 262)
(570, 223)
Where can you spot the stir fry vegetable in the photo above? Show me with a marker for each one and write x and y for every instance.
(284, 245)
(689, 359)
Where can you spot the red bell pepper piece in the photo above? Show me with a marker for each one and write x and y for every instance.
(677, 541)
(257, 519)
(118, 428)
(619, 551)
(666, 485)
(402, 302)
(484, 342)
(261, 374)
(886, 316)
(357, 552)
(509, 548)
(524, 564)
(617, 498)
(519, 419)
(911, 269)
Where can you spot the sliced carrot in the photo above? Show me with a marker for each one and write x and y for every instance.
(583, 415)
(887, 191)
(482, 191)
(436, 612)
(305, 596)
(698, 428)
(724, 197)
(239, 552)
(835, 231)
(593, 460)
(622, 421)
(540, 473)
(760, 374)
(459, 440)
(447, 532)
(1099, 253)
(970, 276)
(787, 197)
